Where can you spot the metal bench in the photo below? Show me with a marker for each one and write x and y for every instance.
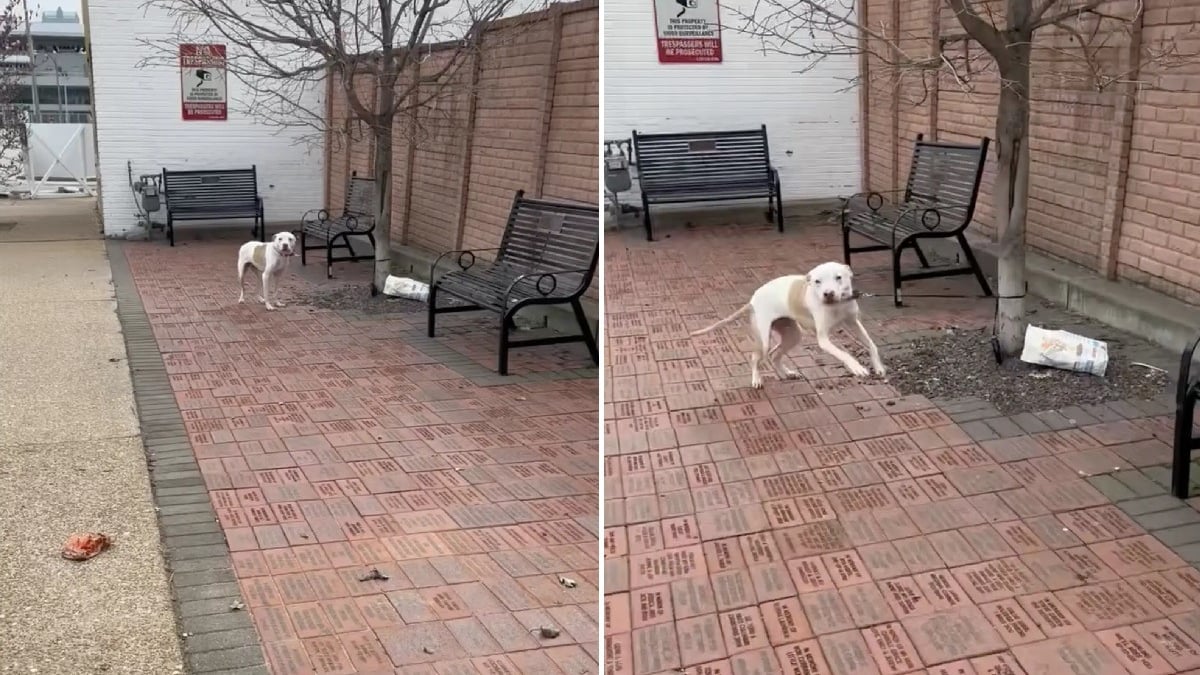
(937, 203)
(547, 256)
(213, 194)
(706, 167)
(357, 219)
(1187, 392)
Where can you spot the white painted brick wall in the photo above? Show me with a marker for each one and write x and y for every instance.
(138, 118)
(813, 130)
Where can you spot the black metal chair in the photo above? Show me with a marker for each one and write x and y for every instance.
(1187, 392)
(938, 202)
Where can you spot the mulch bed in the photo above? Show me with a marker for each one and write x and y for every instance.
(960, 363)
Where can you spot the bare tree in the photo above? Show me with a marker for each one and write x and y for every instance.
(15, 69)
(380, 54)
(1090, 45)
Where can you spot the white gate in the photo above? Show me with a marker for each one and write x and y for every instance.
(60, 159)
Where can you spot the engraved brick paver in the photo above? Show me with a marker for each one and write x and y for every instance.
(843, 528)
(387, 505)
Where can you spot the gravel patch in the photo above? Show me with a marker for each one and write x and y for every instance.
(960, 363)
(357, 298)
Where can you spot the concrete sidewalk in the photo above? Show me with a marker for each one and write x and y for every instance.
(72, 460)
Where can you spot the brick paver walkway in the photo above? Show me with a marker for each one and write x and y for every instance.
(330, 446)
(831, 526)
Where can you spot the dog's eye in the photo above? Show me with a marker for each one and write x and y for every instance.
(816, 282)
(837, 278)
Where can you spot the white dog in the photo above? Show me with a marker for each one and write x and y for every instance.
(821, 301)
(271, 259)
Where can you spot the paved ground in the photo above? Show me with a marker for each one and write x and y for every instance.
(71, 460)
(829, 526)
(323, 447)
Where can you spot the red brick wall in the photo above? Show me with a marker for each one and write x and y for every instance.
(534, 127)
(1075, 200)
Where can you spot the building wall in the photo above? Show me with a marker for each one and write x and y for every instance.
(1115, 178)
(813, 128)
(534, 127)
(138, 119)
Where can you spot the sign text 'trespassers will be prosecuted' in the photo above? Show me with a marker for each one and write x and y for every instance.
(688, 31)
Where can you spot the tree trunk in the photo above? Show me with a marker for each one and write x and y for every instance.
(1011, 197)
(383, 205)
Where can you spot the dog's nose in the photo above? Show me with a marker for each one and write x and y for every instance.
(829, 295)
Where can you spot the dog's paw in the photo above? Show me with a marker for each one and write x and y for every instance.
(241, 301)
(756, 381)
(280, 304)
(859, 370)
(880, 370)
(270, 307)
(790, 374)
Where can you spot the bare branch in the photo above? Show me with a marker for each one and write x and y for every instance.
(986, 34)
(1038, 19)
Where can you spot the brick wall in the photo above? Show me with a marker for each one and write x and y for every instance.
(1134, 220)
(533, 125)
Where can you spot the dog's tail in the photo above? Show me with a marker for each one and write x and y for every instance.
(740, 311)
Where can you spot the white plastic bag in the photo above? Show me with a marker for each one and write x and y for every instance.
(1068, 351)
(403, 287)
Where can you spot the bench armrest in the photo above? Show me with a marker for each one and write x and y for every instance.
(547, 281)
(927, 215)
(463, 254)
(872, 199)
(321, 215)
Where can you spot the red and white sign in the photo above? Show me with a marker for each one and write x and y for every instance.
(689, 31)
(202, 79)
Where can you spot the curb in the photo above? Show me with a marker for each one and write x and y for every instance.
(216, 640)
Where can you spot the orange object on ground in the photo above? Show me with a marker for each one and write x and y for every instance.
(86, 546)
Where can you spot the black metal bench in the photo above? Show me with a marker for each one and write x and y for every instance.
(706, 166)
(1187, 392)
(938, 202)
(547, 256)
(357, 219)
(213, 194)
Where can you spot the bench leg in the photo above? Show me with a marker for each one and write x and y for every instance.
(170, 230)
(303, 248)
(502, 365)
(845, 243)
(979, 275)
(921, 255)
(432, 308)
(646, 219)
(1182, 459)
(585, 329)
(777, 203)
(896, 295)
